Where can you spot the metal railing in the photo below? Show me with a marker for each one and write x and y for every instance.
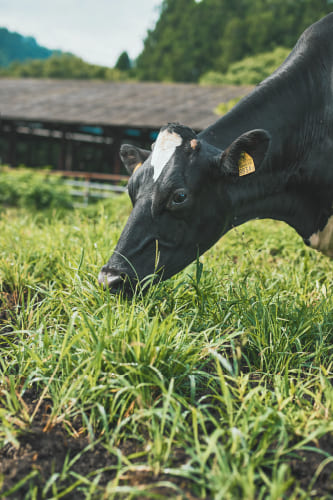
(84, 185)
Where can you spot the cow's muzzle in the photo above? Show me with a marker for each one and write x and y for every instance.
(114, 280)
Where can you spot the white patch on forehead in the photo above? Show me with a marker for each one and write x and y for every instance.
(165, 147)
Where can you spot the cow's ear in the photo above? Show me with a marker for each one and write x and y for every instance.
(133, 157)
(245, 154)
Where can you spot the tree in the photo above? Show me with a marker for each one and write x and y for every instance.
(123, 63)
(170, 49)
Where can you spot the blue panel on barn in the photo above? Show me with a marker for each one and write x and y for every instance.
(133, 132)
(153, 135)
(92, 130)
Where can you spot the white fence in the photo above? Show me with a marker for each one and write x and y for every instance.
(85, 185)
(88, 189)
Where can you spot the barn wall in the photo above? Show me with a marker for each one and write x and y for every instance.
(68, 146)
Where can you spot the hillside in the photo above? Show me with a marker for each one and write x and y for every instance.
(16, 47)
(191, 38)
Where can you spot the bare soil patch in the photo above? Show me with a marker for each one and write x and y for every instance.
(43, 451)
(8, 303)
(309, 467)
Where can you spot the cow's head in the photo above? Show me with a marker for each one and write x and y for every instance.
(181, 202)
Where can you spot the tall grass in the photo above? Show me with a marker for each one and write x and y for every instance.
(221, 374)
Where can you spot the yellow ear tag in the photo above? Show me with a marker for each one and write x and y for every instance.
(136, 167)
(245, 164)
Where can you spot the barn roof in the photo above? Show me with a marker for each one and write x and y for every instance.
(113, 103)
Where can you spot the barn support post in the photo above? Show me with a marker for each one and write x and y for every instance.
(50, 147)
(69, 154)
(30, 148)
(116, 162)
(11, 159)
(62, 153)
(74, 155)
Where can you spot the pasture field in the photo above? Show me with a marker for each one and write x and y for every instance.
(216, 384)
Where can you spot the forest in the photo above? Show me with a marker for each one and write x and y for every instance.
(192, 38)
(189, 40)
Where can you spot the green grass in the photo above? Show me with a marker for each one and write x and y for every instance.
(221, 375)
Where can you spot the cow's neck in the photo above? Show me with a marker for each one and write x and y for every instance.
(284, 104)
(294, 205)
(291, 110)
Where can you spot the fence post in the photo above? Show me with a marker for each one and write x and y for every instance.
(86, 191)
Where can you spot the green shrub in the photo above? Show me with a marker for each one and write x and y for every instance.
(248, 71)
(25, 188)
(62, 66)
(224, 107)
(8, 190)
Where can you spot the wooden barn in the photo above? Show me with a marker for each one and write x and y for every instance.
(76, 125)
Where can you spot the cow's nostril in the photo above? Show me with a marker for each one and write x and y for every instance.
(111, 278)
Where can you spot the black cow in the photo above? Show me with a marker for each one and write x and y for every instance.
(269, 157)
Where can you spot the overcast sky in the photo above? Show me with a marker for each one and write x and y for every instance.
(96, 30)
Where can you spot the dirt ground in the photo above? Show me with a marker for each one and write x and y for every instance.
(43, 452)
(8, 302)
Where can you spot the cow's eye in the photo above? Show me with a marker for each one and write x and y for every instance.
(179, 197)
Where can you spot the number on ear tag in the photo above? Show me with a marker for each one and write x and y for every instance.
(245, 164)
